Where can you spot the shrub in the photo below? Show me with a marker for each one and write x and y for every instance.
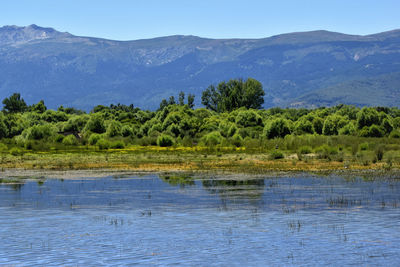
(117, 144)
(114, 129)
(103, 144)
(3, 147)
(15, 151)
(277, 128)
(305, 150)
(70, 140)
(325, 151)
(364, 146)
(28, 145)
(165, 140)
(59, 138)
(39, 132)
(237, 140)
(379, 151)
(126, 131)
(95, 124)
(395, 134)
(212, 139)
(94, 138)
(276, 154)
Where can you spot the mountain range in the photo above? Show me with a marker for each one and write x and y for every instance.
(305, 69)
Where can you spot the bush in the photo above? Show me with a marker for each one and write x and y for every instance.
(325, 151)
(117, 144)
(165, 140)
(15, 151)
(364, 146)
(94, 138)
(28, 145)
(103, 144)
(379, 151)
(237, 140)
(3, 148)
(59, 138)
(126, 131)
(277, 128)
(95, 124)
(305, 150)
(212, 139)
(39, 132)
(70, 140)
(395, 134)
(114, 129)
(276, 154)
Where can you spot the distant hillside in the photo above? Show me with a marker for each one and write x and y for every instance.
(369, 91)
(303, 69)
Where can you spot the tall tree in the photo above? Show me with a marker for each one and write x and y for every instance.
(234, 94)
(190, 101)
(181, 98)
(15, 103)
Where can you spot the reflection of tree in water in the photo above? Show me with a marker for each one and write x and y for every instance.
(250, 190)
(15, 184)
(181, 180)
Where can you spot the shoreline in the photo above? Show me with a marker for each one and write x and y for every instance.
(215, 163)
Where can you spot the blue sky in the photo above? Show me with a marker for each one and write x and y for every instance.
(138, 19)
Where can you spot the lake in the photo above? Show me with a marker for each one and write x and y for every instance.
(206, 221)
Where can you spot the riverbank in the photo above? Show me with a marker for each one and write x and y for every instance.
(162, 160)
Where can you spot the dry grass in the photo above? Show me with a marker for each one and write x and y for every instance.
(178, 159)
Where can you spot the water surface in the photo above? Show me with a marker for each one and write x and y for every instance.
(152, 220)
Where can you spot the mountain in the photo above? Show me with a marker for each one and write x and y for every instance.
(296, 69)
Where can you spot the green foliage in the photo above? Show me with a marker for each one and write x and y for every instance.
(14, 103)
(70, 140)
(165, 140)
(39, 107)
(15, 151)
(126, 131)
(114, 129)
(277, 128)
(212, 139)
(117, 144)
(54, 116)
(95, 124)
(305, 150)
(103, 144)
(379, 151)
(248, 118)
(39, 132)
(233, 94)
(367, 117)
(94, 138)
(276, 154)
(395, 134)
(237, 140)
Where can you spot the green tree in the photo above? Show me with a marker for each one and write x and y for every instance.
(234, 94)
(181, 98)
(277, 128)
(14, 104)
(367, 117)
(39, 107)
(190, 101)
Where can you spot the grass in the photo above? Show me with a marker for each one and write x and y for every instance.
(293, 153)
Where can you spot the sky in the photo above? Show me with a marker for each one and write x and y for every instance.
(140, 19)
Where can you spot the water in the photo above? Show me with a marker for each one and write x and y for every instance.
(149, 220)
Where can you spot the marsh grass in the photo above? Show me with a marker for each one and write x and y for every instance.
(292, 153)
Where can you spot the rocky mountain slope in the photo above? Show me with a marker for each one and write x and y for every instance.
(297, 69)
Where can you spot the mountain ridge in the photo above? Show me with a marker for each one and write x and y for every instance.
(43, 63)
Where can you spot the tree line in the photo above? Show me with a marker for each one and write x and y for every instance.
(232, 116)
